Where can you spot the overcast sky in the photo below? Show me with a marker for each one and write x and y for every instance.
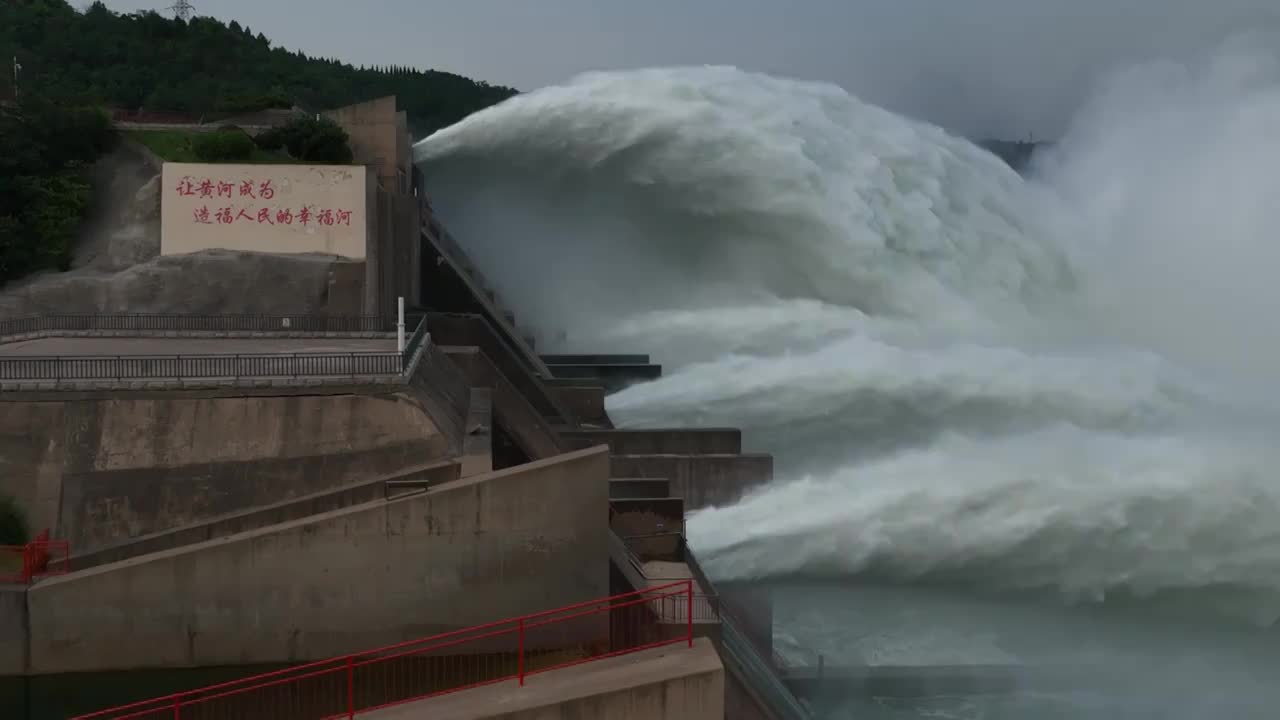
(982, 67)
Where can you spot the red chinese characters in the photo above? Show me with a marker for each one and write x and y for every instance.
(247, 202)
(305, 215)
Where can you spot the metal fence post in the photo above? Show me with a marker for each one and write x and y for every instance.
(177, 709)
(351, 688)
(521, 653)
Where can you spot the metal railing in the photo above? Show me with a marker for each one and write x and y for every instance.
(142, 322)
(759, 664)
(204, 366)
(505, 651)
(416, 339)
(39, 558)
(162, 367)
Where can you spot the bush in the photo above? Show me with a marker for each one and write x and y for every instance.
(13, 524)
(44, 190)
(223, 146)
(310, 139)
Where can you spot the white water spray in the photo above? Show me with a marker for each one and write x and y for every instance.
(1064, 386)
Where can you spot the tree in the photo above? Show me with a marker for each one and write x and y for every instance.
(147, 59)
(311, 139)
(44, 194)
(13, 524)
(224, 145)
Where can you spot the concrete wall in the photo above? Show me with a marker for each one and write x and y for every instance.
(441, 391)
(740, 703)
(477, 446)
(100, 471)
(394, 266)
(378, 138)
(462, 554)
(668, 683)
(529, 429)
(473, 330)
(702, 480)
(13, 630)
(586, 403)
(296, 509)
(331, 199)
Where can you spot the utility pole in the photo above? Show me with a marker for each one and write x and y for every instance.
(182, 10)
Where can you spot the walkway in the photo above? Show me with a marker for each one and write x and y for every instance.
(638, 672)
(110, 347)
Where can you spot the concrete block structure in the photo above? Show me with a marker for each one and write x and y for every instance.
(268, 496)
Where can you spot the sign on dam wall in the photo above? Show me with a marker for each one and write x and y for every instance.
(285, 209)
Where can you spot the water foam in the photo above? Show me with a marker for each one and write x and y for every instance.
(1056, 385)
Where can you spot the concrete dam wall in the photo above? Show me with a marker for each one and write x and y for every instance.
(460, 554)
(101, 470)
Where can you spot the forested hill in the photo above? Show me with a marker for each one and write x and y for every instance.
(149, 61)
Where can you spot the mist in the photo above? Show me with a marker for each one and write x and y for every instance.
(1171, 167)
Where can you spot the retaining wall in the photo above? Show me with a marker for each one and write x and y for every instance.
(306, 506)
(100, 470)
(464, 553)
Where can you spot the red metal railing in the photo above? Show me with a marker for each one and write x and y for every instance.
(39, 558)
(508, 650)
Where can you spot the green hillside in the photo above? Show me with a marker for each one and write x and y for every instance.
(148, 61)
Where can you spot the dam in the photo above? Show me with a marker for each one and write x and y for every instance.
(227, 495)
(989, 485)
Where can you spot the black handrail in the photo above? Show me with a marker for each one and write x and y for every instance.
(153, 367)
(159, 322)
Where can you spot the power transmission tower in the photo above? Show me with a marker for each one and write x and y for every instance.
(182, 10)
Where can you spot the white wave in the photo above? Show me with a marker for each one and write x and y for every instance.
(1079, 513)
(1064, 384)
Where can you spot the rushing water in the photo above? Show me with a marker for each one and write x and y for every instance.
(1034, 420)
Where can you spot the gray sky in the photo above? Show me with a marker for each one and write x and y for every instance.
(982, 67)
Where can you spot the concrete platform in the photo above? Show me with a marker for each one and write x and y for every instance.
(106, 346)
(674, 682)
